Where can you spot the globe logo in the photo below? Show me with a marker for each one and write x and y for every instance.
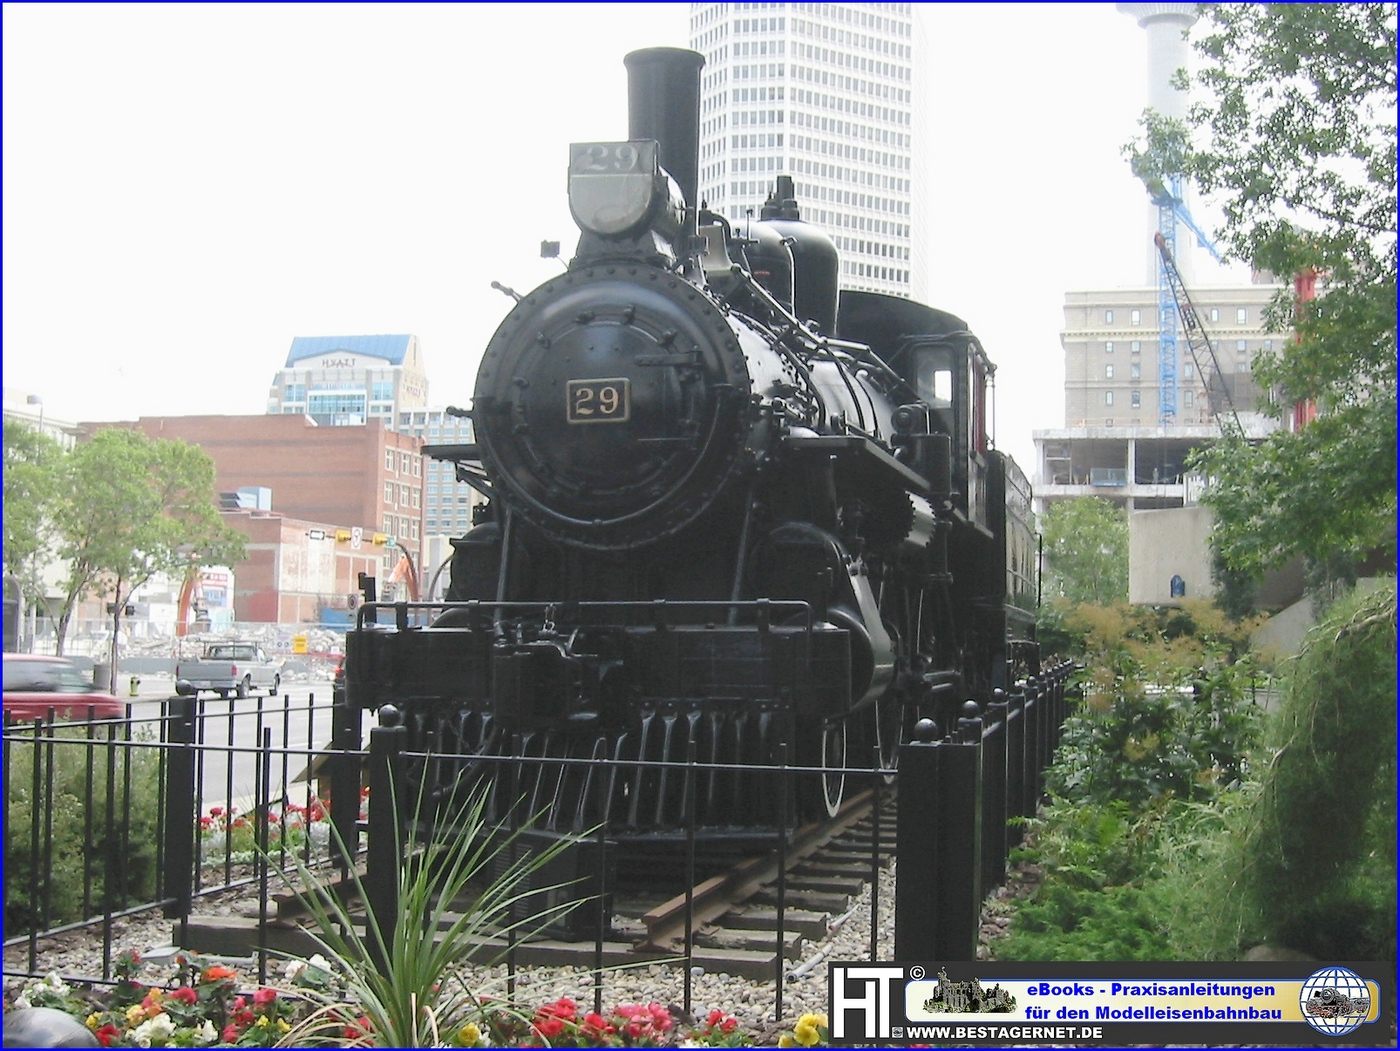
(1334, 1000)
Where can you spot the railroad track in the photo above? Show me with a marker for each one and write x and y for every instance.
(734, 915)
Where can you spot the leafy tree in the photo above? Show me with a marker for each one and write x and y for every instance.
(138, 507)
(1086, 550)
(1295, 137)
(31, 485)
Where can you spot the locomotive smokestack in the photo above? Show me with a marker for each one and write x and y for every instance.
(663, 103)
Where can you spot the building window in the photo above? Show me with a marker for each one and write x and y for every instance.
(1108, 372)
(1108, 317)
(405, 463)
(1241, 346)
(1268, 345)
(1108, 347)
(1135, 317)
(1135, 399)
(415, 497)
(1188, 370)
(1137, 346)
(1215, 313)
(388, 492)
(381, 390)
(1135, 370)
(389, 460)
(418, 467)
(403, 496)
(1108, 397)
(1188, 399)
(413, 529)
(1241, 315)
(1108, 422)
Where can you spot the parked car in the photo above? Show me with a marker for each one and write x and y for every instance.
(229, 667)
(34, 684)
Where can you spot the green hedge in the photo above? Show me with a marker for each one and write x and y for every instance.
(125, 856)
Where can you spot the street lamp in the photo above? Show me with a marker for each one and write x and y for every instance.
(34, 399)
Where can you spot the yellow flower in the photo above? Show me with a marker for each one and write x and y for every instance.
(469, 1034)
(808, 1030)
(282, 1026)
(92, 1021)
(134, 1014)
(263, 1022)
(786, 1040)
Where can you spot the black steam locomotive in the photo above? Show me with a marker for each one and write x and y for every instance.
(729, 507)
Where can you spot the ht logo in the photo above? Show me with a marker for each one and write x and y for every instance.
(866, 989)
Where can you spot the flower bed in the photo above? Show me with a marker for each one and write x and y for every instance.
(207, 1004)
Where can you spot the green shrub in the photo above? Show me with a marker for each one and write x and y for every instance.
(1135, 745)
(79, 865)
(1067, 922)
(1319, 860)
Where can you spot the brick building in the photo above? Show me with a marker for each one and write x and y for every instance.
(296, 572)
(365, 478)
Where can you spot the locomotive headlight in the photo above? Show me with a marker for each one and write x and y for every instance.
(614, 187)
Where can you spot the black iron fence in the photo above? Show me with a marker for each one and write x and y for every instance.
(139, 815)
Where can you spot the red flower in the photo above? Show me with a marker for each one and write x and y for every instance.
(716, 1017)
(215, 811)
(230, 1034)
(185, 995)
(360, 1027)
(549, 1028)
(218, 973)
(108, 1033)
(729, 1025)
(264, 996)
(596, 1027)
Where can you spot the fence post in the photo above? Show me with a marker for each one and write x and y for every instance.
(1015, 759)
(959, 901)
(384, 851)
(179, 818)
(345, 782)
(994, 731)
(916, 826)
(1034, 714)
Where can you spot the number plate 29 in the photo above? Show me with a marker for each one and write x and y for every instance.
(600, 401)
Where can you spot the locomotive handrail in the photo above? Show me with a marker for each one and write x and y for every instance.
(763, 607)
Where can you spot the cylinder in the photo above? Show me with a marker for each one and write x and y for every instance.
(663, 103)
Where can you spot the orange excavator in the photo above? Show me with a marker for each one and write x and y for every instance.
(405, 571)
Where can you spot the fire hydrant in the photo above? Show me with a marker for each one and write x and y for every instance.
(133, 685)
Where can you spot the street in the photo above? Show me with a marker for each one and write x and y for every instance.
(299, 722)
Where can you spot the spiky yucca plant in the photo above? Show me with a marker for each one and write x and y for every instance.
(423, 994)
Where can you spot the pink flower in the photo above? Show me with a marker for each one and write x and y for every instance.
(185, 995)
(263, 997)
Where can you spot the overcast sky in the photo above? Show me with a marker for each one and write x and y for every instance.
(188, 187)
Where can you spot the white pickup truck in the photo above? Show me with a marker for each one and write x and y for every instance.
(229, 667)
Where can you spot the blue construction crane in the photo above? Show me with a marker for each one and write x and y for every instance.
(1171, 208)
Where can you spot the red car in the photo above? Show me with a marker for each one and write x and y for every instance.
(34, 684)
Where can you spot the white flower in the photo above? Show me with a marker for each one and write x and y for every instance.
(207, 1033)
(293, 968)
(22, 1000)
(161, 1028)
(320, 962)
